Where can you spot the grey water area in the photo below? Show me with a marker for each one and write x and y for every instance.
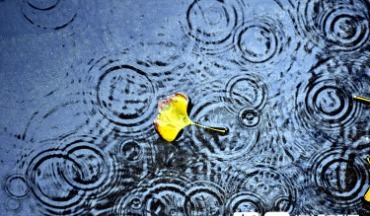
(80, 81)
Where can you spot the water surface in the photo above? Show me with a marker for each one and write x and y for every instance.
(80, 82)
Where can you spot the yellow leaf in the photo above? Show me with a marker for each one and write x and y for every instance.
(367, 195)
(173, 117)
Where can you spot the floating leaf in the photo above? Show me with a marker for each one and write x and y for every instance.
(367, 194)
(173, 117)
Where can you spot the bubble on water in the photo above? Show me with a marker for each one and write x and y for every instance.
(12, 205)
(335, 25)
(17, 186)
(132, 150)
(54, 14)
(249, 117)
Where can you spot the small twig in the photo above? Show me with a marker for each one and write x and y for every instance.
(219, 130)
(360, 98)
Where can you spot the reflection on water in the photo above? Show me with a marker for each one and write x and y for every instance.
(279, 75)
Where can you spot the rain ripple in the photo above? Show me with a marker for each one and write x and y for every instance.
(126, 91)
(325, 101)
(53, 193)
(55, 14)
(244, 128)
(62, 179)
(266, 38)
(274, 188)
(336, 180)
(245, 90)
(160, 196)
(221, 192)
(211, 24)
(126, 94)
(335, 25)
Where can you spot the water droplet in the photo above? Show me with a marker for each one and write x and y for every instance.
(249, 118)
(17, 186)
(131, 150)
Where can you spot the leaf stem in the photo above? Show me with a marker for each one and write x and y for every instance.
(223, 131)
(360, 98)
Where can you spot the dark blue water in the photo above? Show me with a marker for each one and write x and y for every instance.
(80, 81)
